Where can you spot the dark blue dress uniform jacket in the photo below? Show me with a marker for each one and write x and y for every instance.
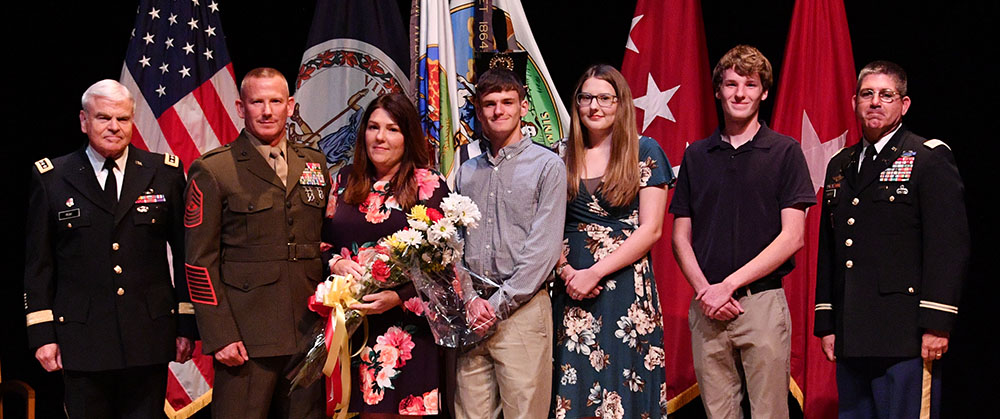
(893, 248)
(97, 279)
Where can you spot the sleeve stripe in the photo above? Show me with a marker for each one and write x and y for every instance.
(938, 306)
(185, 308)
(193, 207)
(200, 285)
(824, 306)
(40, 316)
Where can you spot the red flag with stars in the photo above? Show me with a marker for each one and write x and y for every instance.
(666, 66)
(814, 106)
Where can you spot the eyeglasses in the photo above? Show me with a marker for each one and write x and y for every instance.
(605, 100)
(884, 95)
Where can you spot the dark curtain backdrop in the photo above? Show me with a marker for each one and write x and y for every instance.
(55, 50)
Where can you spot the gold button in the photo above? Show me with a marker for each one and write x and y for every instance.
(118, 269)
(848, 242)
(892, 198)
(121, 291)
(114, 246)
(850, 221)
(910, 290)
(171, 311)
(153, 221)
(69, 225)
(849, 264)
(62, 319)
(855, 201)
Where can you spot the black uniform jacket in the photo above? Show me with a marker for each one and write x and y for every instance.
(253, 246)
(893, 248)
(97, 279)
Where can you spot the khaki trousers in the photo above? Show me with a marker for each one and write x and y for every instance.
(512, 370)
(756, 347)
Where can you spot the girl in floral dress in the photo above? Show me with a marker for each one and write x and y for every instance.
(609, 353)
(398, 370)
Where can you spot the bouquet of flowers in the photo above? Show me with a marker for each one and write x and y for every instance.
(430, 252)
(328, 346)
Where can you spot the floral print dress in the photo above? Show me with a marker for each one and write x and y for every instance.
(399, 369)
(609, 354)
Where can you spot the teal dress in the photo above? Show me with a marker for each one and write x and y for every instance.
(609, 354)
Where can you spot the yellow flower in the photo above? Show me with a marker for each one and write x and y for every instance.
(419, 212)
(393, 242)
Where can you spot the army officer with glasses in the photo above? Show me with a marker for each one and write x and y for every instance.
(893, 252)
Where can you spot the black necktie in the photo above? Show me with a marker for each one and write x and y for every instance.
(868, 162)
(111, 183)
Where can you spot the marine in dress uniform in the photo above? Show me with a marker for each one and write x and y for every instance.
(98, 294)
(893, 252)
(253, 255)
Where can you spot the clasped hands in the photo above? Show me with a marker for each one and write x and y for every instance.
(717, 302)
(580, 284)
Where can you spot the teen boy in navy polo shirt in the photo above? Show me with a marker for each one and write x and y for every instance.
(739, 215)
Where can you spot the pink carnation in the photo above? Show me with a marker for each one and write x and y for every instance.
(415, 305)
(427, 182)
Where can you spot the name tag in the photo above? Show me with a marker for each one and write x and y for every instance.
(68, 214)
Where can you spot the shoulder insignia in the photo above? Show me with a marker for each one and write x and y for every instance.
(931, 144)
(171, 160)
(43, 165)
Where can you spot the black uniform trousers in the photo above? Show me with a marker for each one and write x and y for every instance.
(129, 393)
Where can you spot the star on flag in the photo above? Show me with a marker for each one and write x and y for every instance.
(655, 103)
(818, 152)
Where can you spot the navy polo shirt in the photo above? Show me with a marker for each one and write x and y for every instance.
(734, 198)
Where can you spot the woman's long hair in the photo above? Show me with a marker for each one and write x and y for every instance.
(621, 178)
(416, 153)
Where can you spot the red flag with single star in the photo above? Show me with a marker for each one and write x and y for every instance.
(666, 65)
(814, 106)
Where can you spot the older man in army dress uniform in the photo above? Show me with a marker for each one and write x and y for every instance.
(893, 252)
(98, 293)
(254, 212)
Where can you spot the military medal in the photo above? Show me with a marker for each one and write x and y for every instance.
(901, 190)
(310, 197)
(900, 170)
(151, 199)
(312, 175)
(70, 203)
(142, 208)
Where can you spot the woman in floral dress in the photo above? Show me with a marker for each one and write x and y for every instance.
(609, 355)
(398, 372)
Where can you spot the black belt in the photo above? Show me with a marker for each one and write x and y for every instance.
(757, 286)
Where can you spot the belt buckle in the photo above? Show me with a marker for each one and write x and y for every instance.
(292, 255)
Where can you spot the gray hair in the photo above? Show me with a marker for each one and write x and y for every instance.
(888, 68)
(107, 89)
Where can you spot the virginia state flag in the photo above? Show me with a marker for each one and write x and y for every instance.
(814, 106)
(356, 51)
(666, 66)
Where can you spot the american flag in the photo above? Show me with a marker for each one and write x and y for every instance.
(178, 68)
